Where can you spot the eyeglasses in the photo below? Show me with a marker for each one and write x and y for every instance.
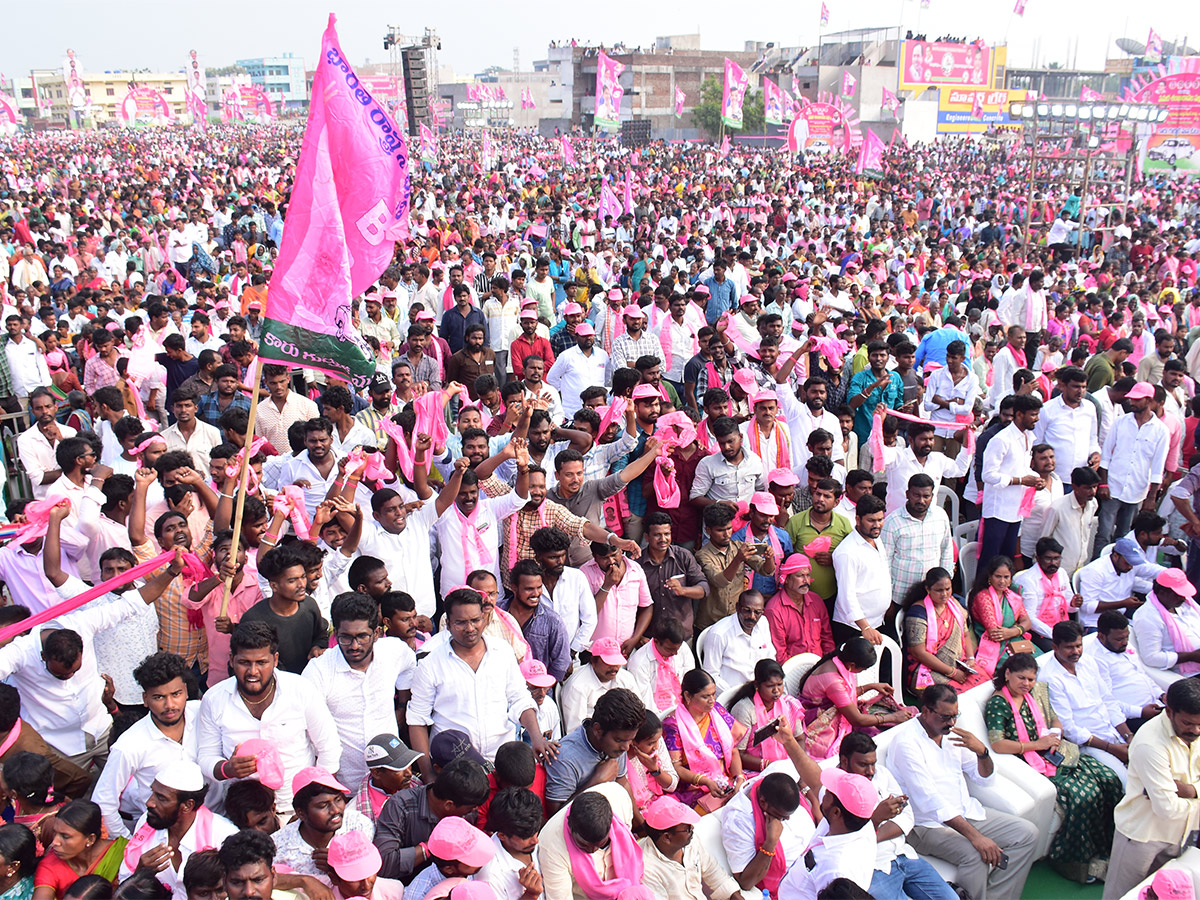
(947, 719)
(349, 640)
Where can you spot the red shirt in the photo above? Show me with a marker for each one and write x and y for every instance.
(795, 630)
(538, 787)
(522, 347)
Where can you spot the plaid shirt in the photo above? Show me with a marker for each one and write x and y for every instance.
(176, 634)
(208, 409)
(914, 546)
(6, 384)
(548, 515)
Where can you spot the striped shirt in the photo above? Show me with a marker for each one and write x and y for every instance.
(175, 633)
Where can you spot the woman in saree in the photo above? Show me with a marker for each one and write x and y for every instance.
(830, 694)
(940, 648)
(1021, 722)
(702, 738)
(760, 703)
(78, 848)
(1001, 624)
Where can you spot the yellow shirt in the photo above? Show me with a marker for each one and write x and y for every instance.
(1151, 810)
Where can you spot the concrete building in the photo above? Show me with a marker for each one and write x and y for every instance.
(105, 90)
(281, 77)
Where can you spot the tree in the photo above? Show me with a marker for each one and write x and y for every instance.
(707, 113)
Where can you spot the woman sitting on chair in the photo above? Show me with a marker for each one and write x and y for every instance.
(831, 694)
(941, 649)
(759, 704)
(1001, 623)
(1021, 721)
(702, 739)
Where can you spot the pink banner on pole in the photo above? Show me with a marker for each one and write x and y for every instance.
(870, 155)
(350, 204)
(1089, 95)
(1019, 7)
(568, 151)
(890, 101)
(196, 91)
(608, 91)
(527, 99)
(1154, 48)
(146, 106)
(824, 14)
(680, 96)
(977, 106)
(428, 144)
(628, 193)
(725, 145)
(773, 107)
(733, 94)
(610, 206)
(849, 84)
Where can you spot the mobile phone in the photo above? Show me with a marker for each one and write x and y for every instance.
(763, 733)
(761, 549)
(1003, 864)
(965, 666)
(1053, 757)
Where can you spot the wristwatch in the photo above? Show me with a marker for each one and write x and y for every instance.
(984, 755)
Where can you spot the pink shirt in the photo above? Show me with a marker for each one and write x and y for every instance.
(241, 598)
(617, 616)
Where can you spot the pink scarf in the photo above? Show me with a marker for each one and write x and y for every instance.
(1179, 640)
(779, 865)
(626, 862)
(13, 734)
(700, 759)
(516, 635)
(144, 835)
(290, 503)
(787, 706)
(988, 654)
(783, 454)
(667, 689)
(664, 338)
(475, 552)
(714, 378)
(924, 676)
(1018, 355)
(1055, 607)
(1032, 757)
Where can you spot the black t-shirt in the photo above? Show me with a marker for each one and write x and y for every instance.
(298, 633)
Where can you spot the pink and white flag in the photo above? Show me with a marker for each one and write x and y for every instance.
(628, 193)
(608, 91)
(1019, 7)
(773, 110)
(977, 106)
(733, 93)
(349, 206)
(680, 97)
(1154, 48)
(568, 151)
(527, 99)
(849, 83)
(824, 14)
(890, 101)
(870, 155)
(725, 144)
(428, 144)
(1089, 95)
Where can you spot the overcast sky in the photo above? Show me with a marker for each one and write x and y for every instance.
(157, 34)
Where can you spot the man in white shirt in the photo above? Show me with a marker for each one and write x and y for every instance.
(902, 463)
(758, 856)
(36, 445)
(1121, 666)
(588, 683)
(1068, 422)
(864, 578)
(167, 735)
(470, 684)
(804, 418)
(578, 368)
(469, 532)
(1130, 478)
(1008, 360)
(565, 589)
(1107, 583)
(932, 761)
(735, 644)
(26, 363)
(362, 681)
(1007, 477)
(899, 871)
(262, 703)
(189, 433)
(1071, 520)
(1091, 716)
(1046, 590)
(1168, 625)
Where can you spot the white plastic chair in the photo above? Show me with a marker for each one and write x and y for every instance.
(795, 669)
(968, 562)
(701, 640)
(965, 532)
(944, 494)
(708, 835)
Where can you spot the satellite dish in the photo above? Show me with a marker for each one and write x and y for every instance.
(1130, 46)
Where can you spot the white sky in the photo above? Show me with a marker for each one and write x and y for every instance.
(157, 34)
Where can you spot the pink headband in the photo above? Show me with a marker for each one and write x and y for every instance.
(154, 438)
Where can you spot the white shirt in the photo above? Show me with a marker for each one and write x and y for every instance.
(718, 478)
(358, 436)
(573, 372)
(483, 702)
(296, 721)
(1072, 526)
(27, 365)
(1131, 686)
(37, 456)
(1108, 412)
(1031, 527)
(362, 703)
(1100, 582)
(1155, 645)
(190, 843)
(1029, 583)
(199, 445)
(864, 581)
(1141, 460)
(835, 856)
(301, 468)
(765, 447)
(1004, 366)
(730, 654)
(1083, 701)
(961, 395)
(901, 464)
(406, 555)
(66, 712)
(581, 691)
(503, 872)
(737, 828)
(133, 761)
(1005, 462)
(1072, 432)
(644, 669)
(488, 516)
(801, 423)
(575, 605)
(932, 775)
(886, 852)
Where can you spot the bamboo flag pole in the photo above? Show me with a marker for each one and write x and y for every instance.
(243, 479)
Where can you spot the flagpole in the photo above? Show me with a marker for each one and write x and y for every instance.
(243, 480)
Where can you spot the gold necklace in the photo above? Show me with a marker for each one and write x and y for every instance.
(270, 694)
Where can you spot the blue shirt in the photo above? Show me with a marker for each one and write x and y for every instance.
(765, 584)
(722, 295)
(547, 638)
(576, 761)
(890, 396)
(454, 326)
(933, 346)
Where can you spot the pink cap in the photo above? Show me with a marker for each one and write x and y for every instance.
(797, 562)
(1175, 580)
(572, 309)
(745, 380)
(765, 396)
(667, 812)
(442, 889)
(316, 775)
(634, 311)
(585, 329)
(1140, 391)
(221, 304)
(646, 392)
(474, 890)
(535, 672)
(608, 650)
(1171, 884)
(353, 857)
(529, 301)
(426, 316)
(855, 792)
(454, 838)
(529, 314)
(764, 502)
(616, 294)
(268, 762)
(783, 476)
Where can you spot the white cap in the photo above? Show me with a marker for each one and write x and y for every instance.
(181, 775)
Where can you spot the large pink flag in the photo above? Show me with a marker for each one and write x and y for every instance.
(870, 155)
(609, 204)
(628, 193)
(734, 92)
(568, 151)
(890, 101)
(680, 96)
(773, 106)
(1089, 95)
(349, 206)
(527, 99)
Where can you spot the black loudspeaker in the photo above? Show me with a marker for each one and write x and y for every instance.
(635, 133)
(416, 88)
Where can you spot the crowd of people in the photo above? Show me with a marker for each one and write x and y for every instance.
(621, 540)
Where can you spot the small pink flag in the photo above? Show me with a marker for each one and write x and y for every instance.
(977, 106)
(527, 99)
(890, 101)
(849, 83)
(1090, 95)
(824, 14)
(1019, 8)
(725, 147)
(568, 151)
(680, 96)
